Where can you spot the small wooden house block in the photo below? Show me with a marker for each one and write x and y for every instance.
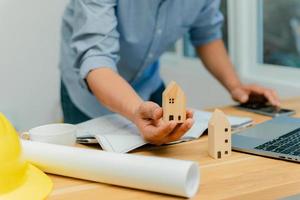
(174, 103)
(219, 136)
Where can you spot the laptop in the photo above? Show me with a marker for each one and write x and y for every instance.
(276, 138)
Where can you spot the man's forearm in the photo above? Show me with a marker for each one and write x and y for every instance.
(215, 58)
(114, 92)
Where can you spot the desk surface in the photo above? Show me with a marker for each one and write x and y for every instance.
(242, 176)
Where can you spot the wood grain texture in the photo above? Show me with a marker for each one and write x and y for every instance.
(240, 176)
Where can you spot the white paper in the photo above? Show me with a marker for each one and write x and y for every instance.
(113, 132)
(117, 134)
(103, 125)
(169, 176)
(201, 123)
(122, 140)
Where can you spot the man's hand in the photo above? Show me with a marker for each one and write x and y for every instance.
(216, 60)
(245, 93)
(148, 119)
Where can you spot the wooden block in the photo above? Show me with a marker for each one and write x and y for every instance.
(174, 103)
(219, 136)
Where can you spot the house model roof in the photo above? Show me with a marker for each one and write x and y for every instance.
(173, 89)
(218, 117)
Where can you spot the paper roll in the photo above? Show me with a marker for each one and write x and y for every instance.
(169, 176)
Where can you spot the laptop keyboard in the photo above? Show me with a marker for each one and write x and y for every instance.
(286, 144)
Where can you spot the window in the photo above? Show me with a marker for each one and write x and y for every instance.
(171, 100)
(281, 32)
(262, 41)
(171, 118)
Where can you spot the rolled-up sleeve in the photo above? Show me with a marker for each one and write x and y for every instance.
(207, 26)
(95, 39)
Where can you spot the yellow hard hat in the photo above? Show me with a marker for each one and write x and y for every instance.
(18, 179)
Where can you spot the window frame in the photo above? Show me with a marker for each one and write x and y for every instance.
(247, 48)
(244, 19)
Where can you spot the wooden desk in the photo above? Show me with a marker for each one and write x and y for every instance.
(242, 176)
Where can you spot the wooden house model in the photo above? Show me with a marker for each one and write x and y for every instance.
(174, 103)
(219, 136)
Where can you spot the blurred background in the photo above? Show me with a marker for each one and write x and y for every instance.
(262, 37)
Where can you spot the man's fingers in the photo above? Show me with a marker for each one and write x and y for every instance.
(256, 89)
(179, 131)
(157, 135)
(165, 129)
(158, 113)
(189, 113)
(150, 110)
(240, 95)
(255, 94)
(272, 98)
(276, 97)
(269, 96)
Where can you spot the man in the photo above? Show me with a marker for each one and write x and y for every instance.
(109, 59)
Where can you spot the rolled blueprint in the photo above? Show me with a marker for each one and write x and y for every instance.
(163, 175)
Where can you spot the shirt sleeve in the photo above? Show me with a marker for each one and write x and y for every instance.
(95, 39)
(208, 24)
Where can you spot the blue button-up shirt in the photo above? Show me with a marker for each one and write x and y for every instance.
(128, 36)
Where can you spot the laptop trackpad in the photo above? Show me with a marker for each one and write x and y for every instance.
(244, 142)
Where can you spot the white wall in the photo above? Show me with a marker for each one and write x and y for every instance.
(202, 90)
(29, 76)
